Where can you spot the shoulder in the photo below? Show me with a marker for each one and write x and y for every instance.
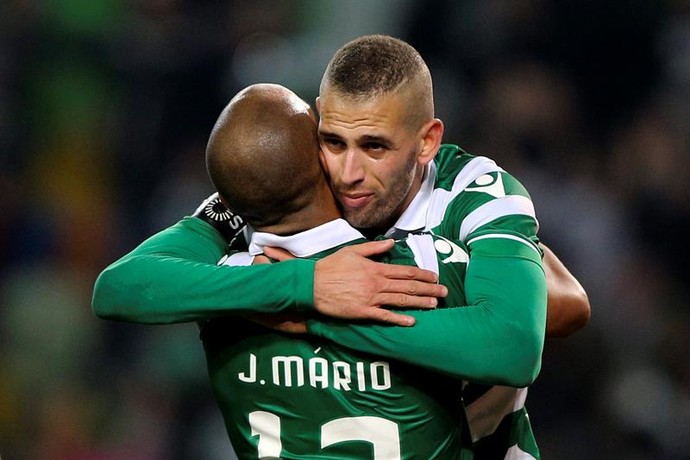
(471, 191)
(457, 168)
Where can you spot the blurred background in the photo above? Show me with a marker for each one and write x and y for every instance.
(105, 108)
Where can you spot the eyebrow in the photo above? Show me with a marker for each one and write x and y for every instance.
(367, 138)
(376, 139)
(324, 133)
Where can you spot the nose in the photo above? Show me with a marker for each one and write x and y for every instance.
(352, 168)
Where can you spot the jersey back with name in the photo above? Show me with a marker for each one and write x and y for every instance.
(291, 397)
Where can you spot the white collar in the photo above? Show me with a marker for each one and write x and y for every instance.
(308, 242)
(414, 216)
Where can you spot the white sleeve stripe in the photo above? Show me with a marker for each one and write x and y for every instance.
(526, 242)
(441, 198)
(506, 206)
(473, 169)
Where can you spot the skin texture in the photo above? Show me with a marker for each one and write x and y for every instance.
(268, 124)
(373, 155)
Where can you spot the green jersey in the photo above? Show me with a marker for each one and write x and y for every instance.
(471, 199)
(306, 397)
(495, 338)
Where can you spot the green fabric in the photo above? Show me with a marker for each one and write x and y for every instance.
(494, 336)
(173, 277)
(273, 387)
(514, 430)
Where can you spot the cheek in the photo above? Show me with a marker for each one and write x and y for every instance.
(330, 163)
(324, 164)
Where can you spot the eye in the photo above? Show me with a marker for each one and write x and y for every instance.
(333, 144)
(375, 149)
(374, 146)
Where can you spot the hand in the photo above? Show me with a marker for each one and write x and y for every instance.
(277, 254)
(350, 286)
(291, 324)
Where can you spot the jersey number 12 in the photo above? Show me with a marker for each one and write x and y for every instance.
(381, 433)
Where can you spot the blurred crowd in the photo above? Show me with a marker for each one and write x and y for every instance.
(105, 108)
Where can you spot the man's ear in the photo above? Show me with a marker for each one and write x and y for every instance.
(318, 105)
(431, 135)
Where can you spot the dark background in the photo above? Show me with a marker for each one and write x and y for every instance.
(105, 108)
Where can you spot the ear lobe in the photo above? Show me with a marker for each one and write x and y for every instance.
(430, 141)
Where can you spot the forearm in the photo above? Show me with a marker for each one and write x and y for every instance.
(497, 338)
(568, 305)
(173, 277)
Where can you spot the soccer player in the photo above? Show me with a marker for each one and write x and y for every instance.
(381, 146)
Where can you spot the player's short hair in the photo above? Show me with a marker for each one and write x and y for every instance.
(262, 155)
(373, 65)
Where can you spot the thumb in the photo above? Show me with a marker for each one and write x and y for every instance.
(277, 254)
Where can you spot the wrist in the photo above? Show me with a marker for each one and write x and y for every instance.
(226, 222)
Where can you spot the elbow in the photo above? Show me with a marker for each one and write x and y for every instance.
(572, 315)
(528, 365)
(109, 296)
(523, 362)
(101, 301)
(583, 310)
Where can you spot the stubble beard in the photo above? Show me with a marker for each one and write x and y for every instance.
(382, 213)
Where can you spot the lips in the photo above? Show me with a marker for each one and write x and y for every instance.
(355, 200)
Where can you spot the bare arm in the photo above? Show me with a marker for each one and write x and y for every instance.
(348, 285)
(568, 308)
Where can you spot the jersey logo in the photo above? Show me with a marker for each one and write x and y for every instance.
(454, 252)
(491, 183)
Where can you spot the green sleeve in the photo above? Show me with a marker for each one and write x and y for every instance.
(172, 277)
(496, 339)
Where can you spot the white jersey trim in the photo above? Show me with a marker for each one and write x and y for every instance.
(515, 453)
(441, 198)
(486, 413)
(528, 243)
(506, 206)
(237, 259)
(308, 242)
(424, 251)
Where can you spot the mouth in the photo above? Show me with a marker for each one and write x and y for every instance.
(355, 200)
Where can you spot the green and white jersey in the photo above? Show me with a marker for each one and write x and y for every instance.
(302, 397)
(471, 199)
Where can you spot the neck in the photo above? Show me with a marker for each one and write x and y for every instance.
(320, 210)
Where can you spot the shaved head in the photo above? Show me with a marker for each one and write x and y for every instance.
(263, 154)
(374, 65)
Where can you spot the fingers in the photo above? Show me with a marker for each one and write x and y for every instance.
(277, 253)
(371, 248)
(389, 317)
(406, 301)
(415, 288)
(406, 272)
(258, 260)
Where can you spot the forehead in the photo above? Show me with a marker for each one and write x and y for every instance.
(340, 114)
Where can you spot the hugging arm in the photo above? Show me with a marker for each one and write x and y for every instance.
(172, 277)
(568, 304)
(496, 338)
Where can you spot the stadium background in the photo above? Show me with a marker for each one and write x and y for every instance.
(105, 107)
